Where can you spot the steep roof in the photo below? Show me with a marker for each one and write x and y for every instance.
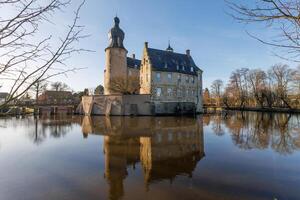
(133, 63)
(172, 62)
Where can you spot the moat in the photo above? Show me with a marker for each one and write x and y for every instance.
(252, 156)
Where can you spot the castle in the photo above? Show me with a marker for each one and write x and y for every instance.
(162, 82)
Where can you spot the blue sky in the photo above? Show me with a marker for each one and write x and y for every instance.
(218, 44)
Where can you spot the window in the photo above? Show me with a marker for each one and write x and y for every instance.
(169, 91)
(130, 73)
(166, 65)
(183, 68)
(193, 80)
(177, 67)
(158, 76)
(170, 77)
(179, 78)
(158, 92)
(187, 79)
(192, 69)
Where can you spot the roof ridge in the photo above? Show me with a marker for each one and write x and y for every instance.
(169, 51)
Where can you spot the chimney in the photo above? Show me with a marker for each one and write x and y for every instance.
(146, 45)
(188, 52)
(133, 56)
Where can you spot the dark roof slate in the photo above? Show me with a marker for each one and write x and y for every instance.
(172, 62)
(133, 63)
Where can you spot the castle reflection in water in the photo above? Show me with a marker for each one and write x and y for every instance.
(165, 147)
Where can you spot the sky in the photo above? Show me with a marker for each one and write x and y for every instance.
(218, 43)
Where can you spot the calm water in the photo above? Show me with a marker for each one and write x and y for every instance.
(238, 156)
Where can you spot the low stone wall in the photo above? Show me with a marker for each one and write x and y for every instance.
(174, 108)
(118, 105)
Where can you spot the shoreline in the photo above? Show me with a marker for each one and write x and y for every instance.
(269, 110)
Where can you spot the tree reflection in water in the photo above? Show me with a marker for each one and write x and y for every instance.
(250, 130)
(56, 126)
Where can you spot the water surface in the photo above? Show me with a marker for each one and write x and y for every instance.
(235, 156)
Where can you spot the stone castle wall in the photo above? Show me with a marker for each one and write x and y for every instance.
(119, 105)
(115, 68)
(139, 105)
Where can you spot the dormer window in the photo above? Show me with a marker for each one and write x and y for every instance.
(166, 65)
(183, 68)
(135, 66)
(177, 67)
(192, 69)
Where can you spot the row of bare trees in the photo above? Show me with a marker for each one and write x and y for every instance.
(276, 87)
(280, 85)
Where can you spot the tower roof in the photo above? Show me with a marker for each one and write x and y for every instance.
(116, 35)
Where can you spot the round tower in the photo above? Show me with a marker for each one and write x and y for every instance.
(115, 61)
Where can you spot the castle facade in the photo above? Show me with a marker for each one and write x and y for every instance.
(162, 82)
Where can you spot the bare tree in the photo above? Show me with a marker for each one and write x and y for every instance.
(279, 15)
(281, 76)
(60, 86)
(24, 60)
(216, 89)
(237, 87)
(38, 88)
(125, 86)
(257, 82)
